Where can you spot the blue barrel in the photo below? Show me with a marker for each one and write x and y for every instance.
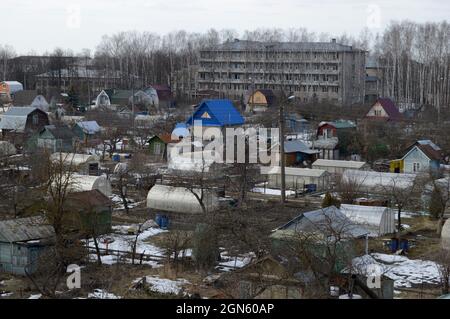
(116, 158)
(394, 245)
(311, 188)
(404, 244)
(164, 222)
(158, 219)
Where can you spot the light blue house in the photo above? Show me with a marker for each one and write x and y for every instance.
(22, 242)
(422, 156)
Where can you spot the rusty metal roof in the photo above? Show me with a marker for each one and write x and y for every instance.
(25, 229)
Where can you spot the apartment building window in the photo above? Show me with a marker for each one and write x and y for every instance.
(315, 88)
(324, 89)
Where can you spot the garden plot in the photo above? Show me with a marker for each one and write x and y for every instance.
(102, 294)
(116, 247)
(228, 263)
(161, 285)
(118, 203)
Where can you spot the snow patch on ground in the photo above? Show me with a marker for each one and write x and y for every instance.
(124, 243)
(405, 272)
(229, 263)
(38, 296)
(118, 203)
(102, 294)
(164, 286)
(271, 191)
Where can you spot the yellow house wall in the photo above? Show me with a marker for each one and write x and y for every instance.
(257, 98)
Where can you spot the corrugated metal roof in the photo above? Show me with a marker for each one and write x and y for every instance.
(19, 111)
(325, 143)
(15, 123)
(25, 229)
(89, 127)
(329, 221)
(223, 111)
(15, 118)
(430, 143)
(298, 146)
(336, 163)
(243, 45)
(293, 171)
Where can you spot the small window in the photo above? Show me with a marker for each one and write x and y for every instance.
(416, 167)
(206, 115)
(157, 149)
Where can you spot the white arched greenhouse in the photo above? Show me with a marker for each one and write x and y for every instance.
(379, 220)
(180, 200)
(445, 235)
(83, 183)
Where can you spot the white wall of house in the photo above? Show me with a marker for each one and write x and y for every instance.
(416, 161)
(377, 110)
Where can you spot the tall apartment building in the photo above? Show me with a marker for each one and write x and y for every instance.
(312, 71)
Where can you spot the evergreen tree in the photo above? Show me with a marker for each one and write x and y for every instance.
(436, 207)
(330, 200)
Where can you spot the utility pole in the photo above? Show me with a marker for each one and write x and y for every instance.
(283, 161)
(283, 157)
(132, 110)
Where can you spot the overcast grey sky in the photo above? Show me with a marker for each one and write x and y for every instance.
(42, 25)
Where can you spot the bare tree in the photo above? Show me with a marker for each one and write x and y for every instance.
(176, 242)
(402, 194)
(440, 197)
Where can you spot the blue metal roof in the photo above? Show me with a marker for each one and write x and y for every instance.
(89, 127)
(218, 113)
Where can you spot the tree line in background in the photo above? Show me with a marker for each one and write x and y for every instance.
(413, 58)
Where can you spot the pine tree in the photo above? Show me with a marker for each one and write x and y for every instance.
(330, 200)
(436, 208)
